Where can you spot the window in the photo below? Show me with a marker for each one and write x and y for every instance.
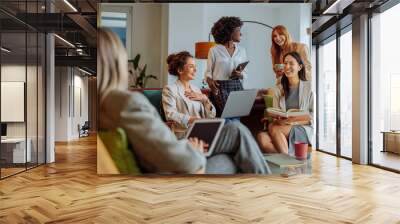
(326, 132)
(346, 93)
(119, 20)
(385, 86)
(116, 21)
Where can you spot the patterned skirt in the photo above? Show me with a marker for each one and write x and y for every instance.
(224, 88)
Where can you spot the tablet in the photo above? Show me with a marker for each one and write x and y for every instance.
(241, 66)
(207, 130)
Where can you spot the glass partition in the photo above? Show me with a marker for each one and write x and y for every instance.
(14, 153)
(22, 77)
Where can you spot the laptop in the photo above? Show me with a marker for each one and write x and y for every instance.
(239, 103)
(207, 130)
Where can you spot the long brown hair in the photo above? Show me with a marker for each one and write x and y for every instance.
(276, 50)
(302, 72)
(112, 63)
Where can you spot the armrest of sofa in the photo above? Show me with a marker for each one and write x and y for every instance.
(105, 164)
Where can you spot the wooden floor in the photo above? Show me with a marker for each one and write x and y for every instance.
(387, 159)
(70, 191)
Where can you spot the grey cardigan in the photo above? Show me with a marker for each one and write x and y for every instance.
(155, 146)
(306, 98)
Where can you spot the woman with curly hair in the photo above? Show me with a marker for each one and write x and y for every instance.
(223, 59)
(236, 150)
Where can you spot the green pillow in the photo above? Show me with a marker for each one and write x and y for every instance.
(269, 102)
(116, 143)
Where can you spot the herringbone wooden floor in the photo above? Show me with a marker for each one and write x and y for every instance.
(70, 191)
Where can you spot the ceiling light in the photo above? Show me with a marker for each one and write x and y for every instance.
(70, 5)
(65, 41)
(326, 11)
(337, 7)
(84, 71)
(5, 50)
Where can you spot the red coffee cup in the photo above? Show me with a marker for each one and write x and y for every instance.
(300, 150)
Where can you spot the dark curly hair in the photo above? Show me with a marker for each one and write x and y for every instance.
(177, 61)
(224, 27)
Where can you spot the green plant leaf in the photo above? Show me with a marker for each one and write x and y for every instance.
(148, 77)
(135, 61)
(143, 72)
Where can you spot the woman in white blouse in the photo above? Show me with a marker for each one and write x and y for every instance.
(223, 59)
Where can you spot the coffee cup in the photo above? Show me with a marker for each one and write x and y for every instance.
(268, 100)
(300, 150)
(279, 66)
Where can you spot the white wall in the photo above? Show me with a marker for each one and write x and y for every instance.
(147, 38)
(190, 23)
(162, 29)
(186, 26)
(70, 84)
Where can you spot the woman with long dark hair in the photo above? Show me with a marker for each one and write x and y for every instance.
(293, 92)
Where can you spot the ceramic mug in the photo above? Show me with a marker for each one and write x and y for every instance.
(300, 150)
(279, 67)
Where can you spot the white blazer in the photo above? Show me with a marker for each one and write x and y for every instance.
(306, 102)
(179, 108)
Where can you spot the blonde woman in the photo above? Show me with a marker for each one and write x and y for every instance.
(281, 45)
(155, 146)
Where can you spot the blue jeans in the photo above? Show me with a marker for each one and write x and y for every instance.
(232, 119)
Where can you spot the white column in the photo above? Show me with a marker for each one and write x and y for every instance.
(50, 99)
(360, 90)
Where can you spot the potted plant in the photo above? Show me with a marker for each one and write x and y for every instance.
(138, 77)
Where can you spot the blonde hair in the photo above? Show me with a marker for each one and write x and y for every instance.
(276, 51)
(112, 64)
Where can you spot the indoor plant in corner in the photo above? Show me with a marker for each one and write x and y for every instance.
(137, 74)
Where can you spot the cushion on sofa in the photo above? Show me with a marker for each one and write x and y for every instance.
(116, 143)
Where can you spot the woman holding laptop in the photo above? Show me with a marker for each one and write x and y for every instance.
(184, 103)
(223, 73)
(293, 92)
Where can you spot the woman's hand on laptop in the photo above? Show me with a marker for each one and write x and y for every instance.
(192, 119)
(198, 144)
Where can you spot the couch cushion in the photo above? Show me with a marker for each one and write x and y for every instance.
(116, 143)
(155, 98)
